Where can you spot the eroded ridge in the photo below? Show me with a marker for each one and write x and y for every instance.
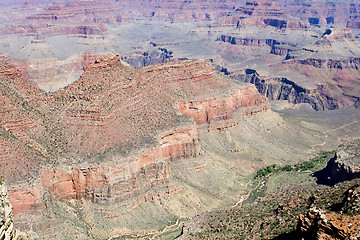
(122, 128)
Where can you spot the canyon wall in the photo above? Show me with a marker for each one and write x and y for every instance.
(324, 12)
(112, 135)
(330, 63)
(135, 178)
(217, 109)
(284, 89)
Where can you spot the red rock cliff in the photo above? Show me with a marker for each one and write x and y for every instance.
(116, 107)
(222, 108)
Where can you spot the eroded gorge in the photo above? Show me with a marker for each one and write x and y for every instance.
(149, 119)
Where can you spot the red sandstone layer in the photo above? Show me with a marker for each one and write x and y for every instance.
(116, 107)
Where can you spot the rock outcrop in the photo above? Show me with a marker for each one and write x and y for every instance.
(351, 202)
(116, 136)
(317, 224)
(111, 137)
(142, 59)
(253, 41)
(217, 109)
(343, 166)
(7, 231)
(113, 183)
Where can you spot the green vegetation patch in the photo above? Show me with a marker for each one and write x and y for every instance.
(323, 157)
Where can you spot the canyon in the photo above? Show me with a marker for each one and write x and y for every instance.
(149, 119)
(69, 123)
(205, 119)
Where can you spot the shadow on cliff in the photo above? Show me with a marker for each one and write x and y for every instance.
(286, 236)
(334, 173)
(323, 177)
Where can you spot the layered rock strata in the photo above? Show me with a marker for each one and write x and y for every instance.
(210, 111)
(285, 89)
(325, 13)
(114, 182)
(330, 63)
(122, 127)
(265, 13)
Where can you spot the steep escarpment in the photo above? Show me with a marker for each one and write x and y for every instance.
(113, 151)
(272, 46)
(321, 53)
(109, 96)
(266, 13)
(112, 136)
(212, 110)
(179, 10)
(252, 41)
(320, 69)
(126, 143)
(284, 89)
(343, 166)
(330, 63)
(111, 182)
(89, 12)
(324, 12)
(95, 12)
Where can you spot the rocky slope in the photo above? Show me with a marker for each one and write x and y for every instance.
(317, 224)
(300, 209)
(342, 224)
(21, 153)
(290, 213)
